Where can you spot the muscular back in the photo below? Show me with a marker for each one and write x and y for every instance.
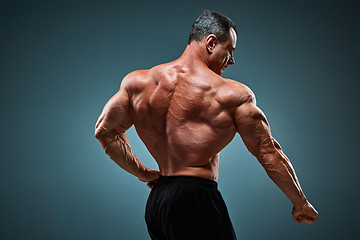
(183, 116)
(186, 113)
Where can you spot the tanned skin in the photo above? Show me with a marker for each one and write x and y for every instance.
(186, 113)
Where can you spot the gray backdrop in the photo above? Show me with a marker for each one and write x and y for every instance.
(62, 60)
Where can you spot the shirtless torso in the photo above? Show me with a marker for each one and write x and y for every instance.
(186, 113)
(184, 116)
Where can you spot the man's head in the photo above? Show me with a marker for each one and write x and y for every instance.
(210, 22)
(217, 33)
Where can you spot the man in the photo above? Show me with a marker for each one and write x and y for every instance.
(186, 113)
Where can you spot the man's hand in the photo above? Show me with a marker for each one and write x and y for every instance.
(305, 213)
(150, 177)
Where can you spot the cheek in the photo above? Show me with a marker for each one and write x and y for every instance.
(225, 58)
(221, 56)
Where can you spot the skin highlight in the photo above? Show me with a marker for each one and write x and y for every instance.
(186, 113)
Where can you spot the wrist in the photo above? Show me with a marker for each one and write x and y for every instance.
(143, 171)
(300, 202)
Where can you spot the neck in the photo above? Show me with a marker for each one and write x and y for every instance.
(194, 55)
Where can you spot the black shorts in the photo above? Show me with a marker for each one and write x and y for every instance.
(184, 208)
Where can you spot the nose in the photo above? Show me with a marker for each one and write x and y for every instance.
(231, 60)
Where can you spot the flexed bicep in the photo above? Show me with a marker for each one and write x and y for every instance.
(115, 118)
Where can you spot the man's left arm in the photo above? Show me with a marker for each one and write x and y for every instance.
(110, 129)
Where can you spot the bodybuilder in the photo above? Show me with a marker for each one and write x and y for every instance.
(186, 113)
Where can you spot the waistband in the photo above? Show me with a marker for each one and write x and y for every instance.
(188, 180)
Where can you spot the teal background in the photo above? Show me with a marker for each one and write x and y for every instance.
(62, 60)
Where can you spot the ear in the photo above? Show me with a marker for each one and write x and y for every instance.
(211, 41)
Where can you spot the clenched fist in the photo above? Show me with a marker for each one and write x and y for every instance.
(305, 213)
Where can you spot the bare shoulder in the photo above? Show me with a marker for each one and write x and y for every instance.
(236, 92)
(135, 80)
(139, 79)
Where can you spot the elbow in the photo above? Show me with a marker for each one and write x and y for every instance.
(103, 134)
(269, 158)
(270, 161)
(100, 133)
(97, 134)
(276, 144)
(267, 152)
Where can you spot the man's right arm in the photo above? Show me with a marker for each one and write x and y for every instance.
(254, 130)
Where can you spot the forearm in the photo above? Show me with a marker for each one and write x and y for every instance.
(281, 172)
(119, 150)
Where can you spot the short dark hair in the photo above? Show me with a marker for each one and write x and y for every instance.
(210, 22)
